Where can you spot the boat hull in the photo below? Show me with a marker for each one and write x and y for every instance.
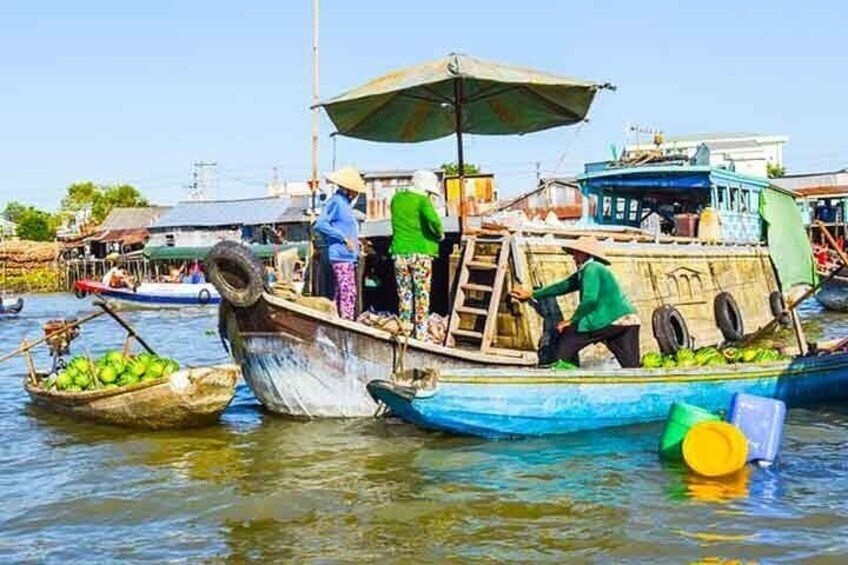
(306, 364)
(509, 403)
(11, 307)
(834, 295)
(191, 397)
(155, 295)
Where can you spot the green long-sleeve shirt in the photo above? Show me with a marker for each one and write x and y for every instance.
(416, 227)
(602, 301)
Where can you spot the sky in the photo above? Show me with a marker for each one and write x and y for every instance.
(135, 92)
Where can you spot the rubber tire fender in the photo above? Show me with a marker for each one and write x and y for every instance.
(728, 317)
(236, 273)
(670, 329)
(777, 305)
(204, 296)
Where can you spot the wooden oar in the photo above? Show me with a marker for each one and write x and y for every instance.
(27, 346)
(124, 324)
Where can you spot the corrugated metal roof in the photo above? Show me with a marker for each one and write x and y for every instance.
(248, 212)
(132, 218)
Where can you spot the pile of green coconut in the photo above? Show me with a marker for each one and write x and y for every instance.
(113, 370)
(709, 356)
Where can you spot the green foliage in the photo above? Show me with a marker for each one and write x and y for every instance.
(775, 171)
(452, 169)
(101, 199)
(33, 224)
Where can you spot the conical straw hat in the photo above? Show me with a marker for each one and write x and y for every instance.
(349, 178)
(588, 245)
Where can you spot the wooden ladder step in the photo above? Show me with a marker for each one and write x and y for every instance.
(478, 287)
(468, 334)
(481, 266)
(472, 310)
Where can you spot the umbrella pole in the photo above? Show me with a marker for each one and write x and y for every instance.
(457, 95)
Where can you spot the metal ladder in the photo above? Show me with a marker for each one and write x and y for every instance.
(479, 277)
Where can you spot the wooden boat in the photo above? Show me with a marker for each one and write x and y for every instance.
(504, 403)
(153, 295)
(11, 307)
(190, 397)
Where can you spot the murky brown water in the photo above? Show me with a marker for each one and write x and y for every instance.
(260, 488)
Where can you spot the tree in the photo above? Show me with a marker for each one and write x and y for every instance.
(452, 169)
(101, 199)
(775, 171)
(32, 224)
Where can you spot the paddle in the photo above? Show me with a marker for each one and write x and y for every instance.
(27, 346)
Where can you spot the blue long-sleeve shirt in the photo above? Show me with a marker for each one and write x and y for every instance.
(336, 223)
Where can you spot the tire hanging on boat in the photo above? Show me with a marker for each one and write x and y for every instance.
(204, 296)
(728, 317)
(236, 273)
(670, 329)
(777, 305)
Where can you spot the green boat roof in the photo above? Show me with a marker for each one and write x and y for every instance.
(166, 253)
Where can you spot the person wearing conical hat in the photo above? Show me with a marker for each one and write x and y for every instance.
(338, 225)
(604, 314)
(416, 233)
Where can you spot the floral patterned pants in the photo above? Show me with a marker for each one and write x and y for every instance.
(344, 277)
(413, 273)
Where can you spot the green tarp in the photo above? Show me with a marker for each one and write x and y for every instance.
(789, 247)
(165, 253)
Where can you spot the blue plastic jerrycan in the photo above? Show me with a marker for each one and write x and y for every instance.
(761, 420)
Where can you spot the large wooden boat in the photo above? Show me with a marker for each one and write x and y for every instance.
(190, 397)
(689, 292)
(502, 403)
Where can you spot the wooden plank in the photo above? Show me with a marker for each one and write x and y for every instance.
(491, 326)
(477, 287)
(472, 311)
(481, 266)
(468, 333)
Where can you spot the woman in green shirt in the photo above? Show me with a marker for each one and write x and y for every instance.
(416, 233)
(604, 314)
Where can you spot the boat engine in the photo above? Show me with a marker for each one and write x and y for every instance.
(59, 334)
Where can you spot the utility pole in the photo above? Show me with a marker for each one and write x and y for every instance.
(315, 109)
(538, 173)
(202, 179)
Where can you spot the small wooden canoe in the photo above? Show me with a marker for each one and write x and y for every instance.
(190, 397)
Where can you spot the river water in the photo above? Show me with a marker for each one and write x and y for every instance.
(259, 488)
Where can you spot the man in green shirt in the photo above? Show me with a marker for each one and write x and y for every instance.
(604, 314)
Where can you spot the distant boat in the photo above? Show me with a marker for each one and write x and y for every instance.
(10, 306)
(153, 295)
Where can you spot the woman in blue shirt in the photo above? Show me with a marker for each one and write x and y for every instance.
(338, 225)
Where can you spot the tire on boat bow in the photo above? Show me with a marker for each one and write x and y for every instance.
(670, 329)
(236, 273)
(728, 317)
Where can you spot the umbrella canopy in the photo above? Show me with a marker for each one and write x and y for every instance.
(459, 94)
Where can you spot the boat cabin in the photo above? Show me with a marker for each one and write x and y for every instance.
(671, 199)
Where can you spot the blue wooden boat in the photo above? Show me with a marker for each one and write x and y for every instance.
(11, 307)
(153, 295)
(504, 403)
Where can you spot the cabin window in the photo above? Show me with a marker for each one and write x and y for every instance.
(721, 201)
(606, 209)
(633, 215)
(620, 207)
(734, 198)
(745, 200)
(170, 240)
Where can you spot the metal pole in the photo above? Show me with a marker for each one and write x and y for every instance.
(315, 109)
(457, 106)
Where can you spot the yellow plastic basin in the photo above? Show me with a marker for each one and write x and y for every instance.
(715, 449)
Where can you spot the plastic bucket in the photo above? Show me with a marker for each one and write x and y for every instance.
(715, 449)
(681, 417)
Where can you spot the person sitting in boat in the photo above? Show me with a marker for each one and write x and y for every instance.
(604, 314)
(118, 277)
(416, 233)
(195, 275)
(337, 224)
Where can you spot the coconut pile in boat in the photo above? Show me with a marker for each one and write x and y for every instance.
(113, 370)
